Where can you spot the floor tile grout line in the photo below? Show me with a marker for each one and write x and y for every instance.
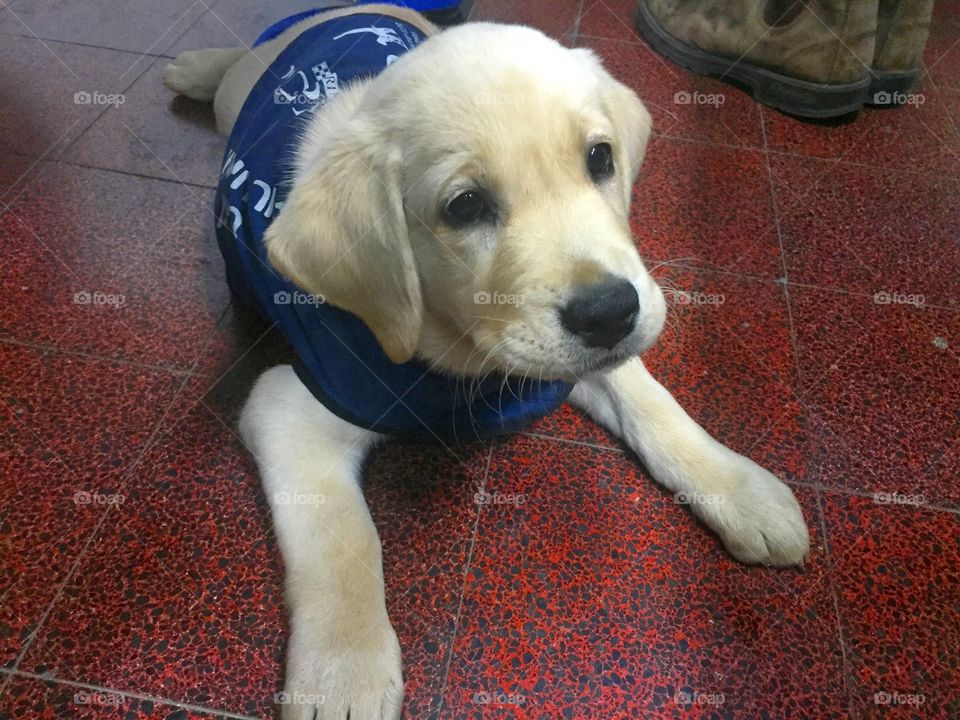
(463, 585)
(34, 173)
(911, 170)
(152, 60)
(124, 480)
(83, 550)
(775, 205)
(74, 568)
(57, 350)
(573, 441)
(127, 694)
(92, 46)
(832, 588)
(867, 495)
(768, 280)
(808, 483)
(132, 173)
(62, 152)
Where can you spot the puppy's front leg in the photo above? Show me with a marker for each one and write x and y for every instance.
(755, 515)
(343, 659)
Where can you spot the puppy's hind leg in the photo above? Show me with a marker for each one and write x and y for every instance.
(197, 73)
(343, 659)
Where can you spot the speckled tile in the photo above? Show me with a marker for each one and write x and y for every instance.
(918, 137)
(95, 415)
(882, 392)
(136, 25)
(155, 133)
(727, 357)
(682, 104)
(554, 17)
(243, 346)
(112, 265)
(30, 699)
(941, 57)
(706, 206)
(43, 530)
(16, 172)
(591, 594)
(569, 423)
(869, 231)
(180, 595)
(240, 22)
(612, 19)
(69, 430)
(40, 119)
(895, 568)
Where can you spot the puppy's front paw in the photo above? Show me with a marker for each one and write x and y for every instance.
(335, 672)
(757, 517)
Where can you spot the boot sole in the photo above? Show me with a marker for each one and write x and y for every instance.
(886, 86)
(787, 94)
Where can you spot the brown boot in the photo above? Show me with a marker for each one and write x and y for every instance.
(804, 57)
(902, 30)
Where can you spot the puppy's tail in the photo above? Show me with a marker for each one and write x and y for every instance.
(197, 73)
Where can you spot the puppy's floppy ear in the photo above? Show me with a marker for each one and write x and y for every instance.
(342, 234)
(630, 118)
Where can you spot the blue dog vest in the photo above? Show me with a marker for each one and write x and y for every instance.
(339, 359)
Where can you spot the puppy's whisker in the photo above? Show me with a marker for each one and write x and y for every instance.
(674, 261)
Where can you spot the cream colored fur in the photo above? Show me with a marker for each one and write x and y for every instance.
(506, 107)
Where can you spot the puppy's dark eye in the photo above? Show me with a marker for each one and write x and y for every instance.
(600, 161)
(466, 207)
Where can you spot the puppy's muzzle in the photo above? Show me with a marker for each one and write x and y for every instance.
(602, 314)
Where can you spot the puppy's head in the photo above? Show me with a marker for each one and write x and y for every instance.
(471, 205)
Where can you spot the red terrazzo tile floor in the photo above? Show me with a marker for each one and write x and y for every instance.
(139, 573)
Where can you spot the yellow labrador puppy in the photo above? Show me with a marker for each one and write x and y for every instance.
(457, 216)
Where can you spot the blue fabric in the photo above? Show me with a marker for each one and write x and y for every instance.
(339, 358)
(419, 5)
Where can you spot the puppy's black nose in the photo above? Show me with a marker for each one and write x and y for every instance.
(602, 314)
